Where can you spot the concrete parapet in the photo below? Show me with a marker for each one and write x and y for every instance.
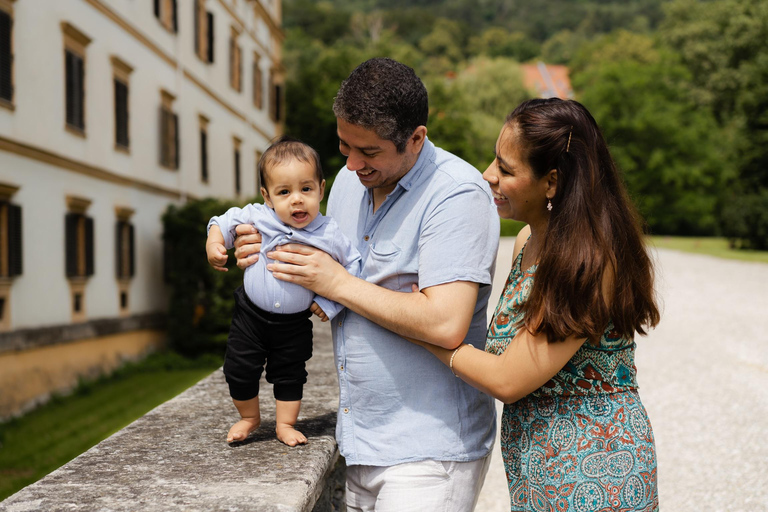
(176, 456)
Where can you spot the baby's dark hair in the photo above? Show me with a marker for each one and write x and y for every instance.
(284, 149)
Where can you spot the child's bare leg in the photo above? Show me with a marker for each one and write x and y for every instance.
(250, 419)
(286, 415)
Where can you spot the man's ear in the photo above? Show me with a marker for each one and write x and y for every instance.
(551, 183)
(416, 142)
(322, 190)
(265, 195)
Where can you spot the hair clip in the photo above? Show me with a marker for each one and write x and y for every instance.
(568, 147)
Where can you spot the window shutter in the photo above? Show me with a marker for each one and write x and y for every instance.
(232, 61)
(119, 248)
(210, 36)
(70, 86)
(131, 252)
(121, 113)
(175, 126)
(196, 23)
(163, 138)
(89, 266)
(278, 103)
(204, 155)
(70, 241)
(157, 8)
(174, 17)
(74, 90)
(6, 57)
(14, 238)
(237, 171)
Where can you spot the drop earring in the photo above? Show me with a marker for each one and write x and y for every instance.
(549, 205)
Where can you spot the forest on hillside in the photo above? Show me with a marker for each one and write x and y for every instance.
(679, 87)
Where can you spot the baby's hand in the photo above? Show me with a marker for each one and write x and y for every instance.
(217, 256)
(318, 311)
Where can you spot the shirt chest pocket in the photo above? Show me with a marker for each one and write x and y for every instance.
(383, 265)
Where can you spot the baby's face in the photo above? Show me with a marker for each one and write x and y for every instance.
(293, 191)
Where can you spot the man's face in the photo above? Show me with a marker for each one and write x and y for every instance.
(375, 160)
(293, 192)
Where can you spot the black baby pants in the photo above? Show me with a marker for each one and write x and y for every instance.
(256, 336)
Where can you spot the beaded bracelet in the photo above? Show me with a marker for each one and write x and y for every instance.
(450, 363)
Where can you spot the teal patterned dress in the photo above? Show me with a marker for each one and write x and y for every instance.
(582, 442)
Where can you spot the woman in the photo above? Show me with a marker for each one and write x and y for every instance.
(560, 351)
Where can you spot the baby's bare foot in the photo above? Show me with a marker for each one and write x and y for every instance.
(289, 435)
(241, 429)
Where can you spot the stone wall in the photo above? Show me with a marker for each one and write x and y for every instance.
(176, 456)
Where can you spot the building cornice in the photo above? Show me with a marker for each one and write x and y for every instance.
(51, 158)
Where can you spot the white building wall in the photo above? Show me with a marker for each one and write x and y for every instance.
(93, 168)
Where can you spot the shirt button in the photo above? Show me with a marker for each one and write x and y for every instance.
(341, 367)
(339, 323)
(277, 304)
(346, 410)
(366, 238)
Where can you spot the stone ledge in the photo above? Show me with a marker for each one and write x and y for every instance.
(176, 456)
(24, 339)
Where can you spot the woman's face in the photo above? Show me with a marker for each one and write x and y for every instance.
(517, 193)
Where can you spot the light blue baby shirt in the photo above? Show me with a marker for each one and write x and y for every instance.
(397, 402)
(261, 287)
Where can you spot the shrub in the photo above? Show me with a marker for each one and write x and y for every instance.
(744, 220)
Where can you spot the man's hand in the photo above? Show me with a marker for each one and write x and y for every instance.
(247, 245)
(308, 267)
(318, 311)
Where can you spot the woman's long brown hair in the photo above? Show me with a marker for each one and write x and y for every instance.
(593, 229)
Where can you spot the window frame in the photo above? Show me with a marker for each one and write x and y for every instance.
(75, 44)
(6, 8)
(168, 133)
(121, 72)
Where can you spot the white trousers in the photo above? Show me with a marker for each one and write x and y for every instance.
(424, 486)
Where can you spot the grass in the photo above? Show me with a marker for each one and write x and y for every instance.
(711, 246)
(48, 437)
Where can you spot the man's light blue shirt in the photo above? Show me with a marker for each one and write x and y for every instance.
(397, 402)
(261, 287)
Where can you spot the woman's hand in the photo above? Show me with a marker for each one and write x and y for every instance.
(247, 245)
(308, 267)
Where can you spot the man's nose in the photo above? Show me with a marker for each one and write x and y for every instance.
(354, 163)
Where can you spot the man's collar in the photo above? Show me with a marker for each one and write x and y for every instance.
(427, 154)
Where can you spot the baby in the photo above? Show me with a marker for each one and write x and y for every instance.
(271, 320)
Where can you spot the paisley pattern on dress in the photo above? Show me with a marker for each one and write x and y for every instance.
(582, 442)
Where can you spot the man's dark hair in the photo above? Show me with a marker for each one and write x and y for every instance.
(284, 149)
(385, 96)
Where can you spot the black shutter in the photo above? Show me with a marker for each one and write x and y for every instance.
(74, 90)
(6, 57)
(89, 266)
(70, 86)
(203, 155)
(278, 103)
(210, 36)
(121, 113)
(131, 252)
(174, 17)
(157, 8)
(119, 248)
(237, 171)
(232, 61)
(70, 243)
(163, 138)
(15, 267)
(175, 124)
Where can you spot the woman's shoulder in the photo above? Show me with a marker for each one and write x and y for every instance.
(520, 240)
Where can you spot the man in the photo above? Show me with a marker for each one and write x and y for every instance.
(414, 437)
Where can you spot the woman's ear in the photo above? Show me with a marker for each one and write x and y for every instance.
(551, 183)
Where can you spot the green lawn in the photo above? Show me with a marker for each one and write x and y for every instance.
(711, 246)
(34, 445)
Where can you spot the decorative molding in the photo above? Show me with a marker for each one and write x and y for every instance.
(74, 34)
(47, 157)
(124, 213)
(7, 191)
(120, 66)
(78, 204)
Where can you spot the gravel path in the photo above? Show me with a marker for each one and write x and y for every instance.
(703, 375)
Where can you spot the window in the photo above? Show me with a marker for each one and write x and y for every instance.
(169, 133)
(6, 55)
(258, 93)
(276, 101)
(78, 251)
(125, 256)
(258, 177)
(203, 32)
(10, 234)
(238, 186)
(165, 11)
(203, 149)
(75, 43)
(121, 71)
(235, 62)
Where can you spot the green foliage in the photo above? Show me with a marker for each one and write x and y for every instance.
(668, 150)
(745, 220)
(498, 42)
(201, 301)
